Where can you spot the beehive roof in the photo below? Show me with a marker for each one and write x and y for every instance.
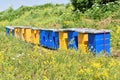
(94, 31)
(10, 27)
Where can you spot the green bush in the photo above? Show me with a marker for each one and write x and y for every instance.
(99, 12)
(84, 5)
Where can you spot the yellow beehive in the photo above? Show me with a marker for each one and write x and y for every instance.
(22, 34)
(83, 42)
(27, 34)
(63, 40)
(17, 32)
(16, 35)
(11, 31)
(35, 36)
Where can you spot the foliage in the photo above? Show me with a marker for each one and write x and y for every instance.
(115, 37)
(84, 5)
(103, 11)
(11, 14)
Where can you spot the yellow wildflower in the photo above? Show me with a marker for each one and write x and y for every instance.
(81, 71)
(96, 65)
(49, 53)
(1, 57)
(118, 30)
(45, 78)
(66, 22)
(112, 63)
(88, 70)
(104, 74)
(111, 49)
(119, 63)
(44, 62)
(52, 60)
(97, 75)
(35, 48)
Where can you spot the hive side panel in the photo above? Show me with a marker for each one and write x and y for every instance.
(63, 40)
(28, 35)
(83, 42)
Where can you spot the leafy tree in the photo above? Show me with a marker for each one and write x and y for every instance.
(83, 5)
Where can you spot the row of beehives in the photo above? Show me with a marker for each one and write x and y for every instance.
(83, 39)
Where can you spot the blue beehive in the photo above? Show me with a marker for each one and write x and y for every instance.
(42, 37)
(72, 39)
(99, 41)
(45, 35)
(9, 30)
(52, 39)
(48, 38)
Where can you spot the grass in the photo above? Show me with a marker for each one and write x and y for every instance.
(24, 61)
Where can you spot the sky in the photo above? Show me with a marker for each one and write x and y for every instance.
(4, 4)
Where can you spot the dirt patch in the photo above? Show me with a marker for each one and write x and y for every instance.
(116, 53)
(117, 20)
(105, 22)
